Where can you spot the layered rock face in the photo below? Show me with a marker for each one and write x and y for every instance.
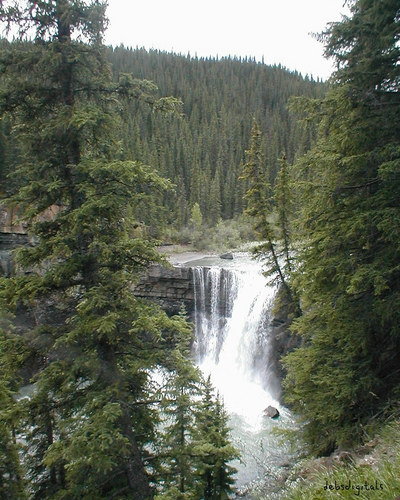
(169, 286)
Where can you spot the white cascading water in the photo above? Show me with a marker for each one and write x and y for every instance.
(232, 310)
(232, 345)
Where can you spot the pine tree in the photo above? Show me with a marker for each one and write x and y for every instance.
(259, 198)
(180, 392)
(196, 451)
(345, 374)
(283, 201)
(214, 212)
(12, 354)
(214, 475)
(89, 421)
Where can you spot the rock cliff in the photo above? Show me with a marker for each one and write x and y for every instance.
(169, 286)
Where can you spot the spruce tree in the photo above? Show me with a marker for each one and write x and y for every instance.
(283, 202)
(180, 392)
(88, 424)
(345, 375)
(212, 448)
(214, 211)
(195, 452)
(259, 198)
(12, 355)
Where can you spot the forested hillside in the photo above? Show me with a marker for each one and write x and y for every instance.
(86, 131)
(202, 150)
(96, 423)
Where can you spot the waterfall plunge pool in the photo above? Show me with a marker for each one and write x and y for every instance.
(233, 303)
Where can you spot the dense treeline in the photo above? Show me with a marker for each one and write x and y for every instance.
(347, 373)
(97, 423)
(344, 271)
(202, 150)
(325, 202)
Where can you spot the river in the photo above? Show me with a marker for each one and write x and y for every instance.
(233, 303)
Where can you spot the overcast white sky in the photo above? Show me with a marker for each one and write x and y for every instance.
(279, 30)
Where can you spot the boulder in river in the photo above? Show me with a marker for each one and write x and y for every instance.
(271, 412)
(227, 256)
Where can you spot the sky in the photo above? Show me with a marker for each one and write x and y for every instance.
(278, 30)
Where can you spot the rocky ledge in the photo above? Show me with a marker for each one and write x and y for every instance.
(169, 286)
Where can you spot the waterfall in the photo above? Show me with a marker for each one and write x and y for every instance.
(232, 319)
(233, 345)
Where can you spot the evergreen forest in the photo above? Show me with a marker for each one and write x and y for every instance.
(201, 150)
(128, 147)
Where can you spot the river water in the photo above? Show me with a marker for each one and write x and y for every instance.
(233, 316)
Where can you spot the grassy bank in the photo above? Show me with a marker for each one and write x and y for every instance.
(371, 472)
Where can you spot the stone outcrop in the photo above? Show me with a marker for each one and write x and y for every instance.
(283, 339)
(169, 286)
(10, 222)
(13, 234)
(227, 256)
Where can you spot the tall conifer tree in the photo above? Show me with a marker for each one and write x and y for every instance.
(346, 373)
(12, 354)
(259, 198)
(88, 423)
(212, 448)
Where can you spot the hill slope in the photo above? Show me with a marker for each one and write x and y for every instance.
(202, 151)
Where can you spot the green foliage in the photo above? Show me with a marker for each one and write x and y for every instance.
(271, 211)
(228, 234)
(87, 425)
(213, 449)
(176, 455)
(225, 235)
(346, 371)
(256, 173)
(196, 224)
(364, 65)
(196, 451)
(197, 218)
(202, 149)
(12, 354)
(380, 480)
(284, 208)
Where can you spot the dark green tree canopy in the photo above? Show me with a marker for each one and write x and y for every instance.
(348, 276)
(202, 150)
(83, 20)
(365, 47)
(89, 428)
